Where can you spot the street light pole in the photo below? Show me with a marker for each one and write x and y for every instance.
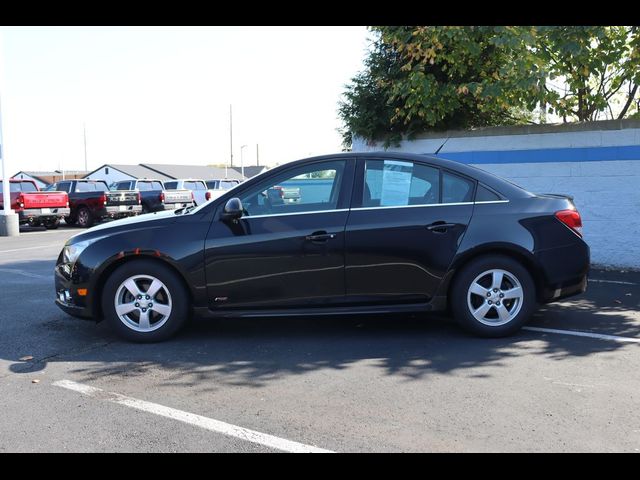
(8, 218)
(231, 135)
(84, 131)
(242, 161)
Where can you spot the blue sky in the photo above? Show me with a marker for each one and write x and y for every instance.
(162, 95)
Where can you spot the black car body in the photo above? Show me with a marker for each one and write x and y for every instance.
(374, 232)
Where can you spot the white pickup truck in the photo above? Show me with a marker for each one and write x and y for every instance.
(218, 186)
(198, 187)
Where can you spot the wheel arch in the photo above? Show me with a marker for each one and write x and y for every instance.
(102, 276)
(522, 256)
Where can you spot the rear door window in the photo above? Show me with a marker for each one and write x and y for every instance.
(456, 189)
(400, 182)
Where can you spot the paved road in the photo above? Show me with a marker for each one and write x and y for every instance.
(394, 383)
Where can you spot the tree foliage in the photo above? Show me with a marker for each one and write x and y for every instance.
(436, 78)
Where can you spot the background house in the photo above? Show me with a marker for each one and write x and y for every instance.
(43, 179)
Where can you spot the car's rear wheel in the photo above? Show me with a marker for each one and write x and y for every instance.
(493, 296)
(85, 219)
(145, 301)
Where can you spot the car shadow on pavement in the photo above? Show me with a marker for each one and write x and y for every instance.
(253, 352)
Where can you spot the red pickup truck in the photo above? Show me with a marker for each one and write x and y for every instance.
(35, 207)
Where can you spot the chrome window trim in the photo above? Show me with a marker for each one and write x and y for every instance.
(413, 206)
(373, 208)
(295, 213)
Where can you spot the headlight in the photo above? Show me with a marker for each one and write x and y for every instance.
(70, 253)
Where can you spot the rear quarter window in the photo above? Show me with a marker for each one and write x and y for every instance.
(456, 189)
(485, 195)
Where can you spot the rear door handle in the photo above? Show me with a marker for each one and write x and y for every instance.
(440, 227)
(320, 237)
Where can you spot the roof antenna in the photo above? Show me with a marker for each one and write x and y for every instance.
(440, 147)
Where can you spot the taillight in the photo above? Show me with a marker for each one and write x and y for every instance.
(193, 198)
(20, 200)
(280, 190)
(139, 198)
(207, 196)
(571, 218)
(67, 197)
(103, 199)
(162, 197)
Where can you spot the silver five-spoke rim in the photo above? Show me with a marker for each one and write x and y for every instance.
(143, 303)
(495, 297)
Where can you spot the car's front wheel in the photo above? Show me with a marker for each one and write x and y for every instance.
(493, 296)
(145, 301)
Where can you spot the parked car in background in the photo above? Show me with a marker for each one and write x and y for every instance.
(285, 194)
(198, 187)
(91, 201)
(35, 207)
(375, 232)
(154, 196)
(219, 186)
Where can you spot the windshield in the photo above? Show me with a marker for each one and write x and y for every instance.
(228, 184)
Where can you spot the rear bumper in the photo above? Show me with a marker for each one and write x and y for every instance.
(174, 206)
(31, 215)
(119, 211)
(565, 271)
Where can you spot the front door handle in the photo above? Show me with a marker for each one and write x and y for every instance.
(440, 227)
(320, 237)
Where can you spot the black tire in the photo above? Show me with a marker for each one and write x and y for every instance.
(84, 219)
(52, 225)
(459, 299)
(177, 291)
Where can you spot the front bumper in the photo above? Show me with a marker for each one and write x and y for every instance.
(67, 297)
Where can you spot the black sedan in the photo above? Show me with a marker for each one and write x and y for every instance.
(372, 233)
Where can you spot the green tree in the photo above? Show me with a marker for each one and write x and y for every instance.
(419, 78)
(589, 68)
(435, 78)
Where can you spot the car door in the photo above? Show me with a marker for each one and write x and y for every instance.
(281, 254)
(406, 222)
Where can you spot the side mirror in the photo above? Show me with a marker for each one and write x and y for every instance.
(232, 209)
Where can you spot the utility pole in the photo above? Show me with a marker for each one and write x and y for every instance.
(84, 131)
(231, 134)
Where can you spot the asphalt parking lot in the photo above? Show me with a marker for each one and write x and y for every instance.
(353, 384)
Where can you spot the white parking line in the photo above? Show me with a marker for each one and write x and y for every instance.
(611, 281)
(15, 271)
(192, 419)
(601, 336)
(30, 248)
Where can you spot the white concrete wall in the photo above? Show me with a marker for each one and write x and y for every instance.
(113, 175)
(606, 192)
